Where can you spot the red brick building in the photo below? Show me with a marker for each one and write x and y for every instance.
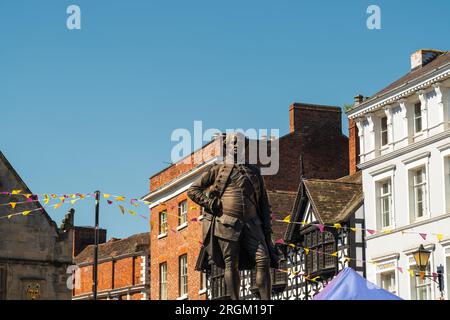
(315, 136)
(123, 270)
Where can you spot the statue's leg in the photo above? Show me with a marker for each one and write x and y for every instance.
(230, 251)
(263, 280)
(255, 245)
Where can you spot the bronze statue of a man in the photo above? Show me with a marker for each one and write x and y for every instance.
(237, 229)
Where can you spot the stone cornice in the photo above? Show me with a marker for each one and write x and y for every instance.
(409, 88)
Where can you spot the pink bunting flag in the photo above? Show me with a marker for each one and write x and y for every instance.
(321, 228)
(109, 201)
(194, 219)
(423, 235)
(279, 241)
(400, 269)
(29, 200)
(371, 231)
(435, 275)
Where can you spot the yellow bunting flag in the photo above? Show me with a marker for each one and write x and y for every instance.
(353, 229)
(291, 245)
(106, 195)
(82, 196)
(337, 226)
(28, 195)
(62, 199)
(9, 216)
(132, 212)
(147, 202)
(306, 251)
(315, 279)
(122, 209)
(16, 191)
(287, 219)
(13, 204)
(25, 213)
(73, 196)
(347, 259)
(53, 196)
(387, 231)
(303, 223)
(193, 208)
(440, 236)
(334, 254)
(73, 201)
(46, 199)
(120, 198)
(56, 206)
(411, 272)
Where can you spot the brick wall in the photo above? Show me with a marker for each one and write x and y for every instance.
(120, 273)
(171, 247)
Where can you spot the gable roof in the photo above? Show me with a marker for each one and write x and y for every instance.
(116, 247)
(282, 203)
(9, 176)
(332, 201)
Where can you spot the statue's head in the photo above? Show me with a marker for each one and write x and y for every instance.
(234, 147)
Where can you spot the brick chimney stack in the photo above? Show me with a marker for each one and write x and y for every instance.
(353, 140)
(311, 119)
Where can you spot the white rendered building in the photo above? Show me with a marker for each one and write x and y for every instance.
(404, 156)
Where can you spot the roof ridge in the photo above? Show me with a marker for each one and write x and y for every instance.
(332, 181)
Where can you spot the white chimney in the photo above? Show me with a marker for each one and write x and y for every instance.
(423, 56)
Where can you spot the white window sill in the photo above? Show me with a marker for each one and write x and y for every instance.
(162, 235)
(183, 297)
(200, 218)
(182, 226)
(203, 291)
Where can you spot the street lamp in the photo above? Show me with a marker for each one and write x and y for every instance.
(422, 257)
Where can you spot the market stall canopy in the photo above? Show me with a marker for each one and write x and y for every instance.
(349, 285)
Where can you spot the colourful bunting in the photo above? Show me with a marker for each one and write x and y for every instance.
(25, 213)
(13, 204)
(106, 195)
(370, 231)
(337, 226)
(16, 191)
(120, 198)
(132, 212)
(122, 209)
(440, 237)
(321, 228)
(287, 219)
(423, 235)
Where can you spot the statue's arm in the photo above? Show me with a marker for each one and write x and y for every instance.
(198, 190)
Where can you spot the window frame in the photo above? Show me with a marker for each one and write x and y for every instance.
(181, 214)
(413, 187)
(417, 116)
(384, 136)
(163, 223)
(380, 204)
(183, 275)
(163, 271)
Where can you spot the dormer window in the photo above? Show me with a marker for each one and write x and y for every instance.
(384, 131)
(417, 118)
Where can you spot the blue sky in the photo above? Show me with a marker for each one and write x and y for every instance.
(94, 108)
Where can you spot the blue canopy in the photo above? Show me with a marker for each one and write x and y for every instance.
(349, 285)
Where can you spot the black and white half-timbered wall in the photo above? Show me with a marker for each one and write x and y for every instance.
(322, 236)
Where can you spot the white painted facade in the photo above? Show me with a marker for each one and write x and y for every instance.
(405, 161)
